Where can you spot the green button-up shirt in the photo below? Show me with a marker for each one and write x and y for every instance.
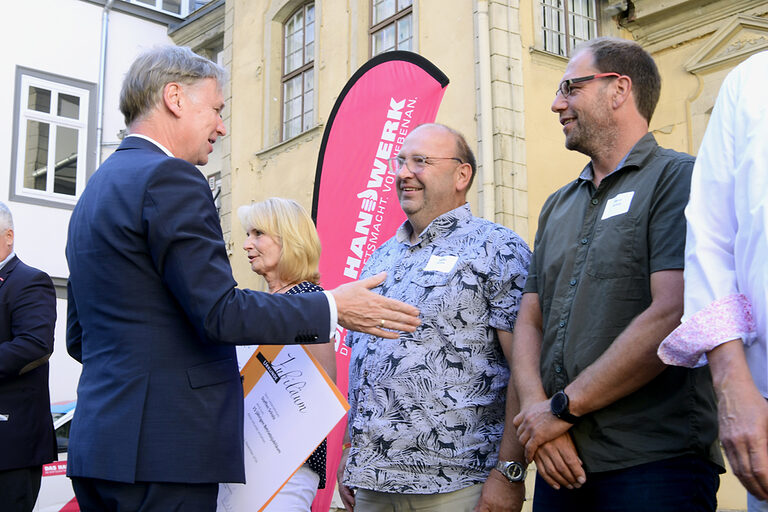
(594, 252)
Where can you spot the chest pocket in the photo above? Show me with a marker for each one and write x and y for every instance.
(614, 250)
(435, 290)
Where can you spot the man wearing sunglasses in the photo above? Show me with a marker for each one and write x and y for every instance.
(427, 416)
(609, 425)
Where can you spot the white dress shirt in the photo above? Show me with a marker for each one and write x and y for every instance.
(726, 253)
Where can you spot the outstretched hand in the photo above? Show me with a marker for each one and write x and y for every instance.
(362, 310)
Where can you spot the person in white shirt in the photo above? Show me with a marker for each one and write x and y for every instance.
(726, 272)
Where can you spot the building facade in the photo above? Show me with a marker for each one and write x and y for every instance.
(289, 59)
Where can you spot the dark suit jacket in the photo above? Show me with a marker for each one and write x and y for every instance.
(27, 319)
(153, 315)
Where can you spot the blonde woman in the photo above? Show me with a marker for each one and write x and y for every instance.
(283, 247)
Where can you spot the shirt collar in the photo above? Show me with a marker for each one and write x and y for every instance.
(634, 157)
(153, 141)
(6, 260)
(442, 225)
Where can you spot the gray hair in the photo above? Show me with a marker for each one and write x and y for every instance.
(154, 69)
(6, 219)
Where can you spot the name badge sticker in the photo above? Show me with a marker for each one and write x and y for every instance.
(441, 263)
(618, 205)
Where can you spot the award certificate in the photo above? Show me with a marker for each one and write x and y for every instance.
(290, 407)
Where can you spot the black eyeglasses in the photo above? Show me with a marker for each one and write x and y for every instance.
(565, 86)
(416, 163)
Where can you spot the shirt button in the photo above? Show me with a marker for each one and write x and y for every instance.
(595, 201)
(573, 282)
(562, 323)
(584, 241)
(558, 369)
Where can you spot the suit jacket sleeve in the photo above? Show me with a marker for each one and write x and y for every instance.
(74, 330)
(32, 313)
(186, 245)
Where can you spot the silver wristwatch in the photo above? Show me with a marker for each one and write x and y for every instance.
(514, 471)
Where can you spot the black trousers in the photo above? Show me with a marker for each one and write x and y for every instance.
(96, 495)
(19, 488)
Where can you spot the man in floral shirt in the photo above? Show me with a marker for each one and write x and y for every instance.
(427, 418)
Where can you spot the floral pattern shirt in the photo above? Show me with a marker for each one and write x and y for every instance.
(427, 410)
(721, 321)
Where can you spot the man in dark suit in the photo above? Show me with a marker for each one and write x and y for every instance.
(153, 309)
(27, 318)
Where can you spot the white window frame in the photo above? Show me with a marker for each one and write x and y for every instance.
(23, 114)
(381, 25)
(158, 6)
(557, 22)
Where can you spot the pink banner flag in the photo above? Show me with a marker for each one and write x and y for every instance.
(355, 203)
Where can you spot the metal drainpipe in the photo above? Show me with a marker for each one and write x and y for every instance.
(102, 74)
(486, 112)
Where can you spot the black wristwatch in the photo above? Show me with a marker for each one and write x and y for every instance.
(559, 407)
(513, 471)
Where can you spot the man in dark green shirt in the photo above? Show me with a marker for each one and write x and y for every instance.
(609, 425)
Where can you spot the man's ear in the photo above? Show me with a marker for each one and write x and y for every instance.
(172, 97)
(623, 90)
(463, 176)
(9, 237)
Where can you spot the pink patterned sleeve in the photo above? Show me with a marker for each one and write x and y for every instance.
(721, 321)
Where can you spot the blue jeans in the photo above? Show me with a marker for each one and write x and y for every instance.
(681, 484)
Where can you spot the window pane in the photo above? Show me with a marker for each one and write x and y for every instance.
(36, 156)
(293, 46)
(294, 42)
(298, 95)
(172, 6)
(69, 106)
(293, 61)
(310, 13)
(292, 107)
(309, 35)
(553, 29)
(582, 24)
(383, 9)
(147, 2)
(404, 33)
(65, 172)
(309, 99)
(384, 39)
(402, 4)
(290, 25)
(39, 99)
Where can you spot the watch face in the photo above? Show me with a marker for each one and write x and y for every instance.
(514, 472)
(559, 403)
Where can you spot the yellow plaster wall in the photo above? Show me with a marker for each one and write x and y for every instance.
(261, 165)
(549, 164)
